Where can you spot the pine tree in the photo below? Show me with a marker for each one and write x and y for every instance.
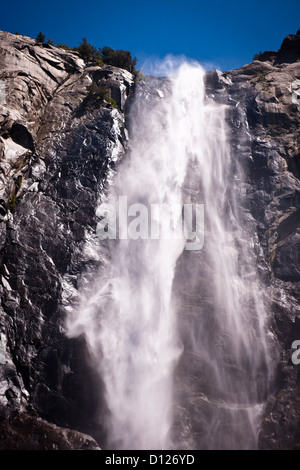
(88, 53)
(40, 38)
(118, 58)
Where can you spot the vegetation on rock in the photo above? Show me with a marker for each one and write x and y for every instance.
(108, 56)
(89, 53)
(40, 38)
(101, 93)
(257, 56)
(118, 58)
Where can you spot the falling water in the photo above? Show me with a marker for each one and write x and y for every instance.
(135, 314)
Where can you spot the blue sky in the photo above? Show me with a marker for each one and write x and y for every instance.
(219, 34)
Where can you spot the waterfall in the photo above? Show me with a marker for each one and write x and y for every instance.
(176, 332)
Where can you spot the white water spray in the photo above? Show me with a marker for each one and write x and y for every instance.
(127, 314)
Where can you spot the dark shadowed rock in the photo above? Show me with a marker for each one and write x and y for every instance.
(20, 431)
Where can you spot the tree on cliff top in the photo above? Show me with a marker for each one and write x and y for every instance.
(40, 37)
(118, 58)
(88, 53)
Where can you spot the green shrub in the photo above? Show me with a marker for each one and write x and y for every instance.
(118, 58)
(89, 53)
(64, 46)
(93, 56)
(12, 203)
(101, 93)
(112, 102)
(18, 183)
(13, 199)
(261, 77)
(257, 56)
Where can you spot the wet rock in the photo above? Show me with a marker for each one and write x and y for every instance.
(58, 146)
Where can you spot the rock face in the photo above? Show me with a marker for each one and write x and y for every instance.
(60, 139)
(266, 93)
